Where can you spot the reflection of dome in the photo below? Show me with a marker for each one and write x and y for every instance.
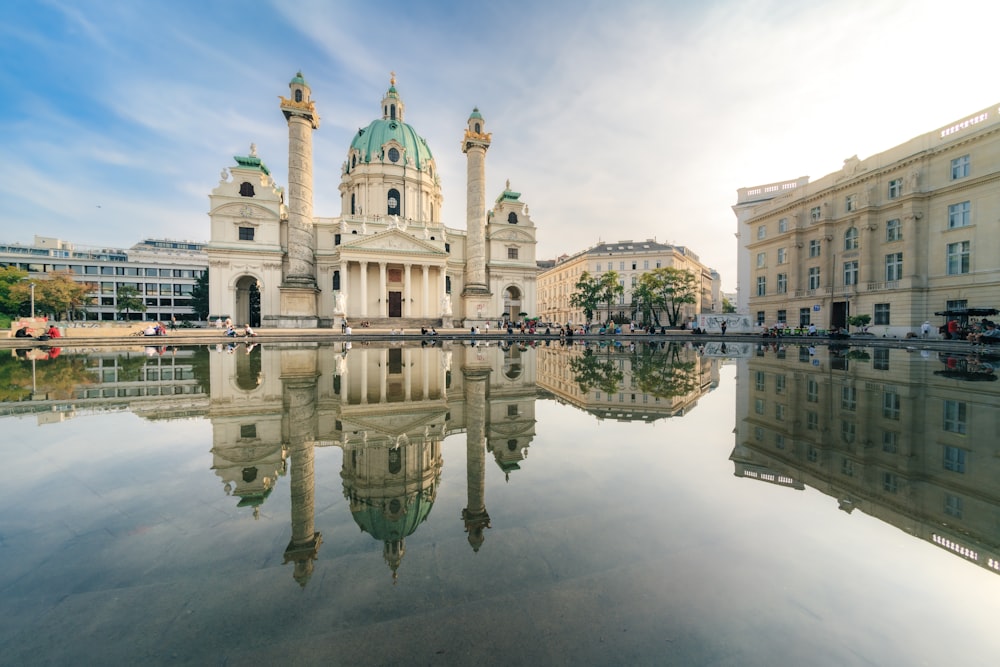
(393, 523)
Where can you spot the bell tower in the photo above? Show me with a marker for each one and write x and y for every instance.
(299, 291)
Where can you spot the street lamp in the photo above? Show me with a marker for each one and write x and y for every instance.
(31, 283)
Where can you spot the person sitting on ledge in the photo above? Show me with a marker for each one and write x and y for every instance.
(53, 332)
(23, 332)
(247, 331)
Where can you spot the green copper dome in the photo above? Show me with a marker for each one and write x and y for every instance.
(370, 140)
(298, 79)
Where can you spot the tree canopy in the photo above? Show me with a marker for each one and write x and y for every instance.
(669, 289)
(57, 295)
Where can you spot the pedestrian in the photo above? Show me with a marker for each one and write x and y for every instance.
(173, 323)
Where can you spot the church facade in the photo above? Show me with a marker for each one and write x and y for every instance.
(387, 259)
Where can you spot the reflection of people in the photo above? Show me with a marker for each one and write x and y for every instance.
(722, 326)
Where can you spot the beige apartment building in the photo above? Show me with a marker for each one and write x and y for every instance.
(630, 259)
(898, 236)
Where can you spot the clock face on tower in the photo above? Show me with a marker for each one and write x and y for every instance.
(393, 155)
(393, 202)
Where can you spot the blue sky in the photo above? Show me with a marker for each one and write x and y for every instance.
(615, 120)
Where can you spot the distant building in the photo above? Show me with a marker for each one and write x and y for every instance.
(163, 271)
(630, 259)
(898, 236)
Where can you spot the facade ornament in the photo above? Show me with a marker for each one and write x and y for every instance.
(446, 305)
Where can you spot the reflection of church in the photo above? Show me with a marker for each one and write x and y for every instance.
(876, 431)
(389, 409)
(387, 258)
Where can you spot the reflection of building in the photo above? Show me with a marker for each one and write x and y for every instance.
(630, 259)
(162, 272)
(387, 256)
(877, 431)
(389, 409)
(896, 236)
(630, 382)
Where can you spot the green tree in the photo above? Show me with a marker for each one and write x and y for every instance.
(610, 289)
(10, 276)
(859, 321)
(57, 295)
(129, 299)
(671, 289)
(644, 301)
(199, 296)
(727, 306)
(587, 295)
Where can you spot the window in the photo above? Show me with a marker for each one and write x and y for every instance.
(812, 420)
(779, 441)
(758, 380)
(890, 483)
(846, 465)
(954, 459)
(958, 258)
(645, 264)
(890, 405)
(597, 267)
(851, 273)
(805, 317)
(246, 233)
(782, 283)
(960, 167)
(758, 406)
(851, 203)
(393, 154)
(894, 266)
(848, 398)
(447, 284)
(880, 359)
(760, 318)
(848, 433)
(956, 304)
(783, 316)
(621, 266)
(814, 248)
(851, 239)
(634, 264)
(779, 412)
(246, 189)
(812, 454)
(336, 280)
(761, 260)
(812, 390)
(392, 202)
(813, 277)
(890, 442)
(782, 255)
(248, 431)
(893, 232)
(953, 506)
(511, 410)
(783, 225)
(959, 215)
(511, 253)
(881, 312)
(815, 213)
(761, 232)
(336, 239)
(895, 188)
(635, 279)
(761, 286)
(779, 384)
(955, 417)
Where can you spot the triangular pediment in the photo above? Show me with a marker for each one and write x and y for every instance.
(390, 241)
(392, 425)
(512, 234)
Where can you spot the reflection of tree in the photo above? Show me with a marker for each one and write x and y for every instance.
(664, 373)
(201, 369)
(15, 379)
(591, 370)
(130, 367)
(58, 378)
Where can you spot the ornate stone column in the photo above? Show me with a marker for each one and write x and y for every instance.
(476, 295)
(383, 290)
(407, 294)
(364, 288)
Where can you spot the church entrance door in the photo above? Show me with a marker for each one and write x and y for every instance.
(395, 304)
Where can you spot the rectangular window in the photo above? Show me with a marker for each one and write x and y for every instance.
(758, 406)
(760, 317)
(959, 215)
(246, 233)
(336, 239)
(846, 465)
(783, 316)
(954, 459)
(890, 405)
(805, 317)
(107, 270)
(894, 266)
(880, 359)
(152, 273)
(634, 264)
(758, 380)
(621, 266)
(597, 267)
(783, 225)
(881, 313)
(953, 505)
(815, 213)
(960, 167)
(958, 258)
(893, 232)
(779, 384)
(779, 412)
(851, 203)
(645, 264)
(890, 483)
(761, 260)
(511, 253)
(814, 248)
(890, 442)
(782, 283)
(761, 232)
(895, 188)
(782, 255)
(761, 286)
(848, 398)
(956, 304)
(955, 417)
(812, 391)
(812, 420)
(850, 273)
(813, 277)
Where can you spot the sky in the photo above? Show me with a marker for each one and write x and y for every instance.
(614, 120)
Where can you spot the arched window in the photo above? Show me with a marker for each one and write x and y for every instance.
(392, 202)
(354, 209)
(354, 161)
(298, 95)
(447, 284)
(479, 128)
(851, 239)
(395, 461)
(336, 280)
(512, 218)
(246, 189)
(392, 111)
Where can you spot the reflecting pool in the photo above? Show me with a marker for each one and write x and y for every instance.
(399, 503)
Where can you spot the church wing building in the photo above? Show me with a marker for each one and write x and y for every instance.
(387, 259)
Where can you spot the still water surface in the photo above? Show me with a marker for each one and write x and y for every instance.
(605, 505)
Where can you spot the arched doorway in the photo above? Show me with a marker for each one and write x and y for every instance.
(247, 307)
(512, 303)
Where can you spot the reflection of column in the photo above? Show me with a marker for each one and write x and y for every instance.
(299, 398)
(425, 372)
(364, 288)
(364, 377)
(383, 291)
(407, 293)
(407, 375)
(383, 358)
(475, 516)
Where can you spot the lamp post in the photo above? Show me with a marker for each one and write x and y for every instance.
(32, 285)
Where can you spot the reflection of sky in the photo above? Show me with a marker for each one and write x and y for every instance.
(612, 541)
